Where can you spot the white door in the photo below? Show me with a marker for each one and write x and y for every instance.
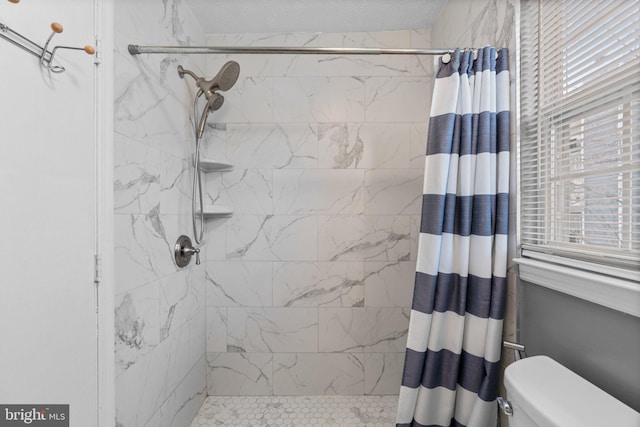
(48, 338)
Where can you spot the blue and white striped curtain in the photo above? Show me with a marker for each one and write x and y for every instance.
(453, 347)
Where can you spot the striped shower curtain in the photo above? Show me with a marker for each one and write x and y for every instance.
(451, 365)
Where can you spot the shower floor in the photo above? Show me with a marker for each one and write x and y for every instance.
(299, 411)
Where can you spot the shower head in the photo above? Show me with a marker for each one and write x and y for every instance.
(214, 103)
(227, 76)
(224, 80)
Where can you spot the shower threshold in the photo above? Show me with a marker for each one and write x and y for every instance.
(299, 411)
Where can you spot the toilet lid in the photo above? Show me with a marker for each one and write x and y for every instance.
(554, 396)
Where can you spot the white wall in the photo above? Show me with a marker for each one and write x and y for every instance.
(48, 161)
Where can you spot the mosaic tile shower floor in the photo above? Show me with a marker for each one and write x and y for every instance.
(299, 411)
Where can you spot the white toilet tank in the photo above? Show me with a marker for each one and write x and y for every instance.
(543, 393)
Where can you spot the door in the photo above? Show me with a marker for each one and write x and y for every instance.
(48, 334)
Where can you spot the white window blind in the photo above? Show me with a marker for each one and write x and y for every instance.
(580, 129)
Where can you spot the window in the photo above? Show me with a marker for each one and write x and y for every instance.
(580, 134)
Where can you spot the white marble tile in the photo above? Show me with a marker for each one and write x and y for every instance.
(363, 145)
(415, 235)
(485, 22)
(181, 296)
(136, 325)
(215, 243)
(388, 39)
(322, 191)
(146, 23)
(151, 108)
(397, 99)
(318, 374)
(422, 65)
(368, 329)
(272, 330)
(340, 145)
(383, 373)
(152, 155)
(178, 356)
(389, 284)
(143, 248)
(214, 141)
(318, 99)
(360, 238)
(213, 189)
(249, 100)
(142, 389)
(267, 65)
(313, 284)
(136, 175)
(248, 191)
(365, 65)
(240, 283)
(343, 330)
(216, 329)
(419, 132)
(175, 194)
(197, 330)
(273, 145)
(183, 404)
(393, 192)
(272, 238)
(145, 176)
(244, 374)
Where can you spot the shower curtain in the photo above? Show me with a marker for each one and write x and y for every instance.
(452, 359)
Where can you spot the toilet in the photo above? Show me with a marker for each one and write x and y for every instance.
(543, 393)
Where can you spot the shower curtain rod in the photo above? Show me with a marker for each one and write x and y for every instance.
(135, 49)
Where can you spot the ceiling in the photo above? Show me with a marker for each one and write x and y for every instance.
(268, 16)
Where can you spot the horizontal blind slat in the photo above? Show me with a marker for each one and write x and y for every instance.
(580, 127)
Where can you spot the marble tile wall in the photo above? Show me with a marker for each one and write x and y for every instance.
(309, 284)
(159, 309)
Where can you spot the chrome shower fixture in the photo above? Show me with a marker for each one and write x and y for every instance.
(223, 81)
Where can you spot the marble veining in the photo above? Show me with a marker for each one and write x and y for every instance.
(318, 191)
(243, 283)
(272, 330)
(160, 328)
(343, 148)
(316, 284)
(308, 284)
(272, 145)
(136, 325)
(239, 373)
(272, 238)
(348, 238)
(318, 374)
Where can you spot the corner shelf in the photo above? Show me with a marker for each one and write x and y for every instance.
(218, 211)
(208, 165)
(213, 165)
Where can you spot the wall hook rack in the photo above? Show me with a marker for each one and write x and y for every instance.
(46, 56)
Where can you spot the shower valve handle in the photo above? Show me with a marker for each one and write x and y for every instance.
(184, 250)
(193, 251)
